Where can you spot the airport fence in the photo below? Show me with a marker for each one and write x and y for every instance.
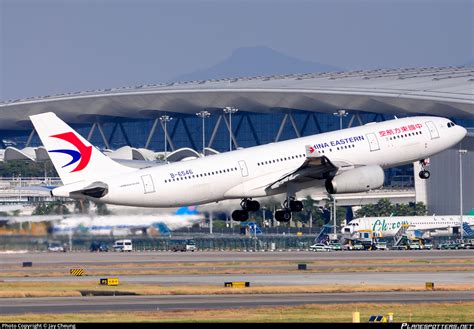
(204, 242)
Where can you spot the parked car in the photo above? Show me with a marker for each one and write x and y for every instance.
(448, 246)
(98, 246)
(56, 246)
(320, 247)
(469, 244)
(335, 246)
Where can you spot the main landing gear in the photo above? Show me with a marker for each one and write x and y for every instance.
(290, 205)
(247, 205)
(424, 174)
(282, 215)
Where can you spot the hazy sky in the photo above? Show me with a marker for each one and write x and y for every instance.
(49, 47)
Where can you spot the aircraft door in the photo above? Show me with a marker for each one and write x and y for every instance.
(243, 168)
(148, 185)
(373, 142)
(433, 130)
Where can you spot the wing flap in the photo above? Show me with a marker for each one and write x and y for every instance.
(316, 167)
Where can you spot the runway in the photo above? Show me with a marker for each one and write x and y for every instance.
(184, 302)
(438, 266)
(280, 279)
(111, 258)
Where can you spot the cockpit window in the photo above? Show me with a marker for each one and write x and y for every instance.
(451, 124)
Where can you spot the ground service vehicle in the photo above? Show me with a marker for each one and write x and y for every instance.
(183, 245)
(123, 245)
(414, 246)
(381, 246)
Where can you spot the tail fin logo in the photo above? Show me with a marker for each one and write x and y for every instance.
(83, 153)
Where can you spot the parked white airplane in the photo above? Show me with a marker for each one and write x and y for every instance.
(428, 226)
(126, 225)
(113, 224)
(349, 160)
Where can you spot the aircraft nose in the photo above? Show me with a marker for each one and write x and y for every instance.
(462, 132)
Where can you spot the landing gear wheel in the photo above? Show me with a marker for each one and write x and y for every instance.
(424, 174)
(250, 205)
(283, 215)
(240, 215)
(296, 206)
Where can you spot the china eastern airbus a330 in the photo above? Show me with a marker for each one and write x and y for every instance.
(344, 161)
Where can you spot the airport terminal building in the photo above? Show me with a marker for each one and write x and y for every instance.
(137, 122)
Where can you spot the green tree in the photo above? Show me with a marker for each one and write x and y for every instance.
(385, 208)
(27, 169)
(81, 206)
(52, 208)
(102, 210)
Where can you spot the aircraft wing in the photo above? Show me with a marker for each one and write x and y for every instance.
(316, 166)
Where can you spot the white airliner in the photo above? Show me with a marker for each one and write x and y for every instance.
(344, 161)
(113, 224)
(127, 224)
(427, 226)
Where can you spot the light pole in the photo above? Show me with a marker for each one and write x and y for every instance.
(230, 110)
(340, 114)
(203, 115)
(211, 218)
(165, 119)
(461, 153)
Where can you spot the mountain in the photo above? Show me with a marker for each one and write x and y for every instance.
(256, 61)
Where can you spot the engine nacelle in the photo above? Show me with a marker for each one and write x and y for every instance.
(360, 179)
(450, 231)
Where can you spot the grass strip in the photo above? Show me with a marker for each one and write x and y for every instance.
(423, 312)
(73, 289)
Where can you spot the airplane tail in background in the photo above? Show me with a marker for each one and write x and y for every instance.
(73, 157)
(187, 211)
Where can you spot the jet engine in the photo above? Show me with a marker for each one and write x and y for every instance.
(360, 179)
(450, 231)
